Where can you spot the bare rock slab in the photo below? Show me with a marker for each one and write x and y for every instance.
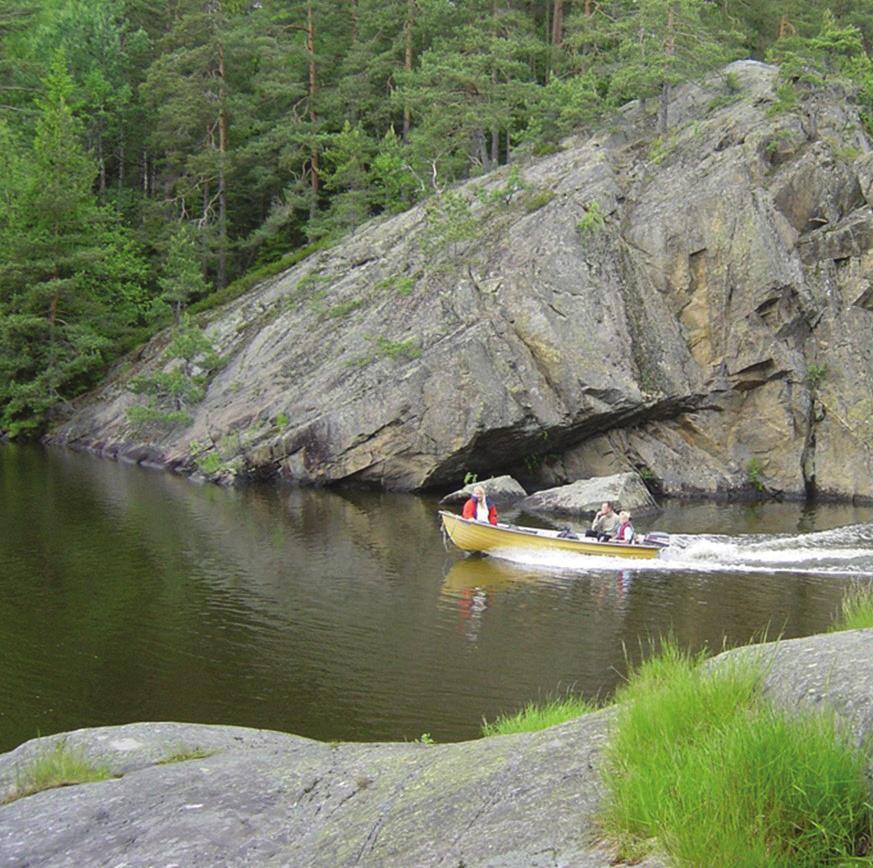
(584, 497)
(271, 799)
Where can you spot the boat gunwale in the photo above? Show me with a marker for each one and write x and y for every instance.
(608, 546)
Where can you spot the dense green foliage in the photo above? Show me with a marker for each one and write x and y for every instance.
(702, 766)
(134, 134)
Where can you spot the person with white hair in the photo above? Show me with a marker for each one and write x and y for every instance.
(625, 532)
(480, 507)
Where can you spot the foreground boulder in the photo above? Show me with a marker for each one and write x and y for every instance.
(264, 798)
(271, 799)
(585, 496)
(711, 329)
(503, 490)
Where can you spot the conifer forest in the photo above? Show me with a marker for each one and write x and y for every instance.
(156, 158)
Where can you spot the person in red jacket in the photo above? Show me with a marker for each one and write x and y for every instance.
(480, 507)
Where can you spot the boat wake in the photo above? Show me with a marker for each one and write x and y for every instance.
(844, 551)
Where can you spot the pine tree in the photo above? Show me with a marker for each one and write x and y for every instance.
(187, 89)
(346, 175)
(834, 52)
(468, 89)
(69, 279)
(182, 279)
(664, 42)
(394, 186)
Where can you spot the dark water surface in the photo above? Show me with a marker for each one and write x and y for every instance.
(128, 594)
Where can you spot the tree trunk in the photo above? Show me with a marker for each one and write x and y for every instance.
(558, 23)
(495, 131)
(664, 109)
(407, 60)
(481, 148)
(221, 277)
(669, 52)
(101, 167)
(547, 27)
(313, 114)
(121, 156)
(352, 107)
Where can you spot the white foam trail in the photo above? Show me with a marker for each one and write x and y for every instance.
(846, 551)
(564, 560)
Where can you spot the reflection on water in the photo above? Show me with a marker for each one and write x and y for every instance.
(127, 594)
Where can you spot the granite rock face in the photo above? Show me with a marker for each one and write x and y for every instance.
(585, 496)
(210, 795)
(714, 332)
(503, 490)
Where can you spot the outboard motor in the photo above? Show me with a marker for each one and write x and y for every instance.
(656, 538)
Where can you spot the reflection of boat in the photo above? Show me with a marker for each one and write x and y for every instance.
(475, 536)
(486, 573)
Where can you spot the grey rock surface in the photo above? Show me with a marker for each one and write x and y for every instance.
(266, 798)
(833, 671)
(714, 334)
(273, 799)
(585, 496)
(504, 490)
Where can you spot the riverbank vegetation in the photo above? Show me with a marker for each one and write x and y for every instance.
(701, 766)
(539, 715)
(158, 156)
(856, 610)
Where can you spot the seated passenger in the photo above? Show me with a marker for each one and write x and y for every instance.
(605, 523)
(480, 507)
(625, 532)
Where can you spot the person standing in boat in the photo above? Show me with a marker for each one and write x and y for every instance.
(625, 532)
(605, 524)
(480, 507)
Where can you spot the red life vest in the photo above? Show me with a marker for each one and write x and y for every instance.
(470, 509)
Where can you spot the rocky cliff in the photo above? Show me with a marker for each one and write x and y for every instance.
(697, 308)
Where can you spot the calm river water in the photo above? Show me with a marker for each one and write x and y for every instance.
(128, 594)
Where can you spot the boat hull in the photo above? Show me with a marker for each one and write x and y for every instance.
(475, 536)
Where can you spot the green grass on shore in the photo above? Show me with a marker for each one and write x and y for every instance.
(535, 716)
(703, 768)
(856, 612)
(58, 767)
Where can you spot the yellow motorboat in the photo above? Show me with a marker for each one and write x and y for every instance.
(470, 535)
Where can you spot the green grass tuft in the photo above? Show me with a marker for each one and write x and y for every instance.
(536, 716)
(856, 610)
(537, 199)
(186, 755)
(701, 764)
(57, 767)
